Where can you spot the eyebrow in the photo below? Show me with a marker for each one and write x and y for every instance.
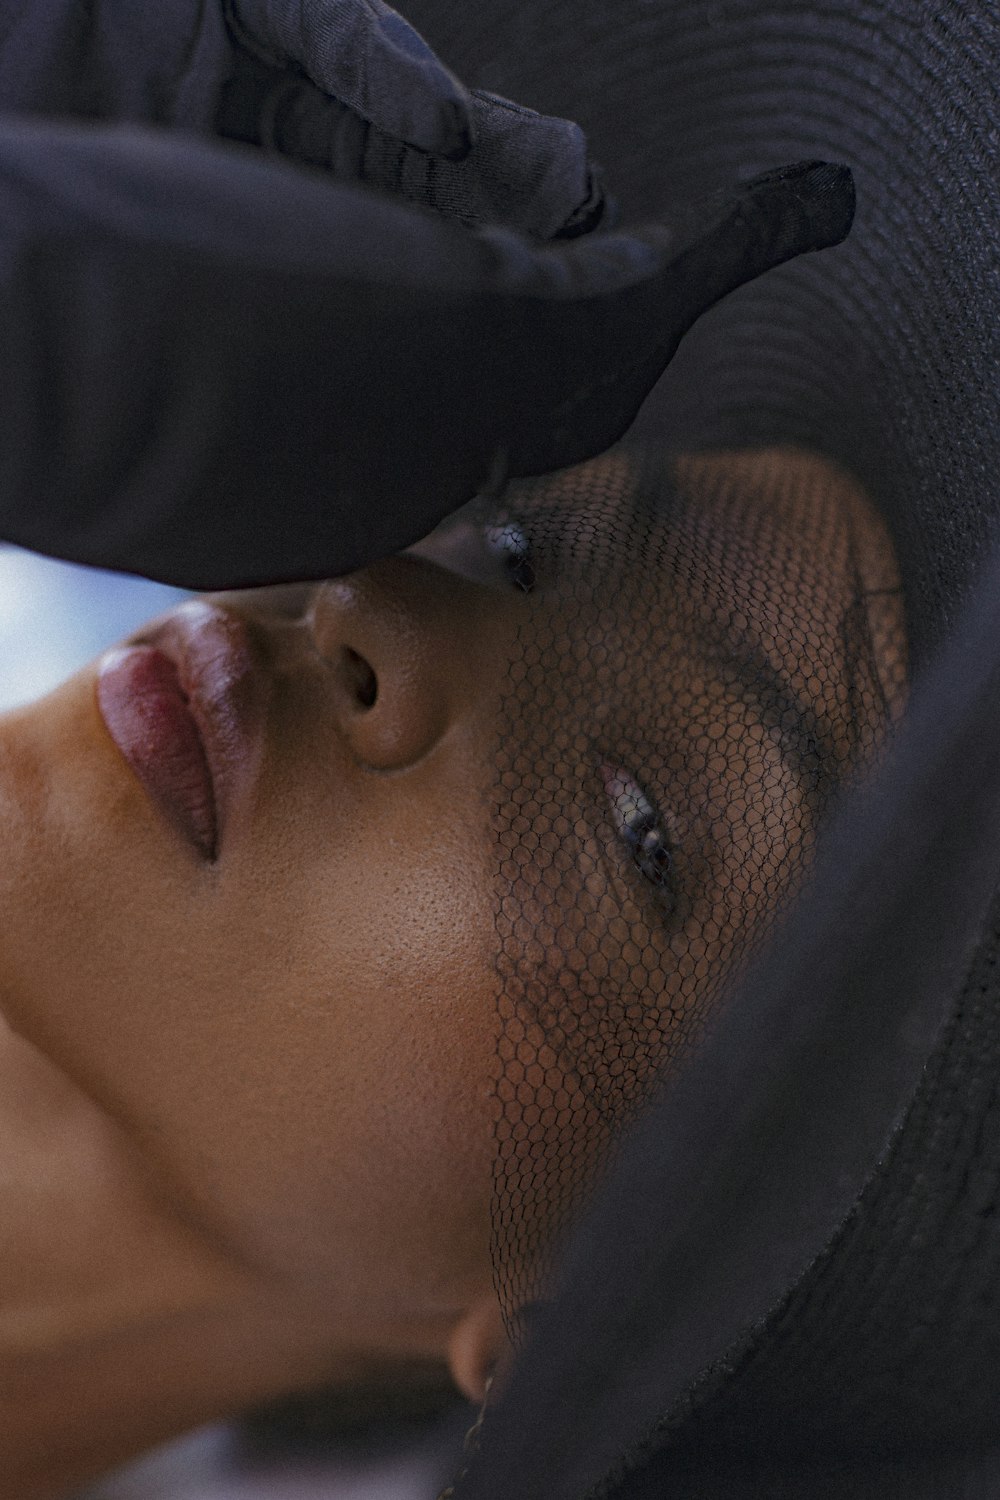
(780, 707)
(767, 690)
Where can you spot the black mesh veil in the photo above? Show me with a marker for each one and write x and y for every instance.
(712, 649)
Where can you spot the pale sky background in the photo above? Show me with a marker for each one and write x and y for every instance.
(55, 617)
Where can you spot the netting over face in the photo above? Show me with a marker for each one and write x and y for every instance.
(711, 648)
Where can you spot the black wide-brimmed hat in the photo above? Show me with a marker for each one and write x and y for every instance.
(792, 1284)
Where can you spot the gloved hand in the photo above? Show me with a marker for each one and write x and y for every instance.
(345, 85)
(367, 100)
(220, 369)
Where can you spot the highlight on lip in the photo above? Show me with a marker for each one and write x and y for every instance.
(149, 716)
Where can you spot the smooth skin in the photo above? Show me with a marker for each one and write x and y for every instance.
(247, 1104)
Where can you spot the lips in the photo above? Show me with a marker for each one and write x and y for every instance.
(182, 704)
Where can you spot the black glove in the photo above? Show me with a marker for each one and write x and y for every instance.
(219, 370)
(345, 85)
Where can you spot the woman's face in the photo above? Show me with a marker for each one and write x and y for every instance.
(283, 983)
(296, 1030)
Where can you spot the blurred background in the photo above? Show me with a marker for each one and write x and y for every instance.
(55, 617)
(218, 1464)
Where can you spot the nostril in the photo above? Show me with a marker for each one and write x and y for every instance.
(360, 677)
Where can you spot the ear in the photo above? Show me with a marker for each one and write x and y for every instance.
(477, 1345)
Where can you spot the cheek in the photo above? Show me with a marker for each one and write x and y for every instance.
(301, 1043)
(322, 1086)
(377, 1019)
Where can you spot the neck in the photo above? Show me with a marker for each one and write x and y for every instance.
(119, 1325)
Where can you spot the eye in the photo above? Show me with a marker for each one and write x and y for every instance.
(495, 553)
(511, 547)
(641, 826)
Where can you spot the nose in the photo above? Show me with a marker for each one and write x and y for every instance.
(403, 645)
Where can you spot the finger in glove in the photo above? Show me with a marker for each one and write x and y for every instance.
(222, 371)
(592, 327)
(363, 53)
(528, 172)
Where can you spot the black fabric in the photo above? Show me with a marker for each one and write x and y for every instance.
(348, 86)
(105, 61)
(527, 170)
(221, 371)
(367, 57)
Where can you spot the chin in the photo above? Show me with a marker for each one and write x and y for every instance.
(79, 845)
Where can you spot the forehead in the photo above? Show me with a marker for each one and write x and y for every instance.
(728, 630)
(715, 568)
(694, 533)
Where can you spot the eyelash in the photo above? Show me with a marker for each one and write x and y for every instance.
(513, 548)
(641, 828)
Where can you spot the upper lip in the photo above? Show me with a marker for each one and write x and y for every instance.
(212, 651)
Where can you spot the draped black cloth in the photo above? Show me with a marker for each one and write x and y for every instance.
(791, 1284)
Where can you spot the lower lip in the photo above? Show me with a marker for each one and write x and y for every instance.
(149, 717)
